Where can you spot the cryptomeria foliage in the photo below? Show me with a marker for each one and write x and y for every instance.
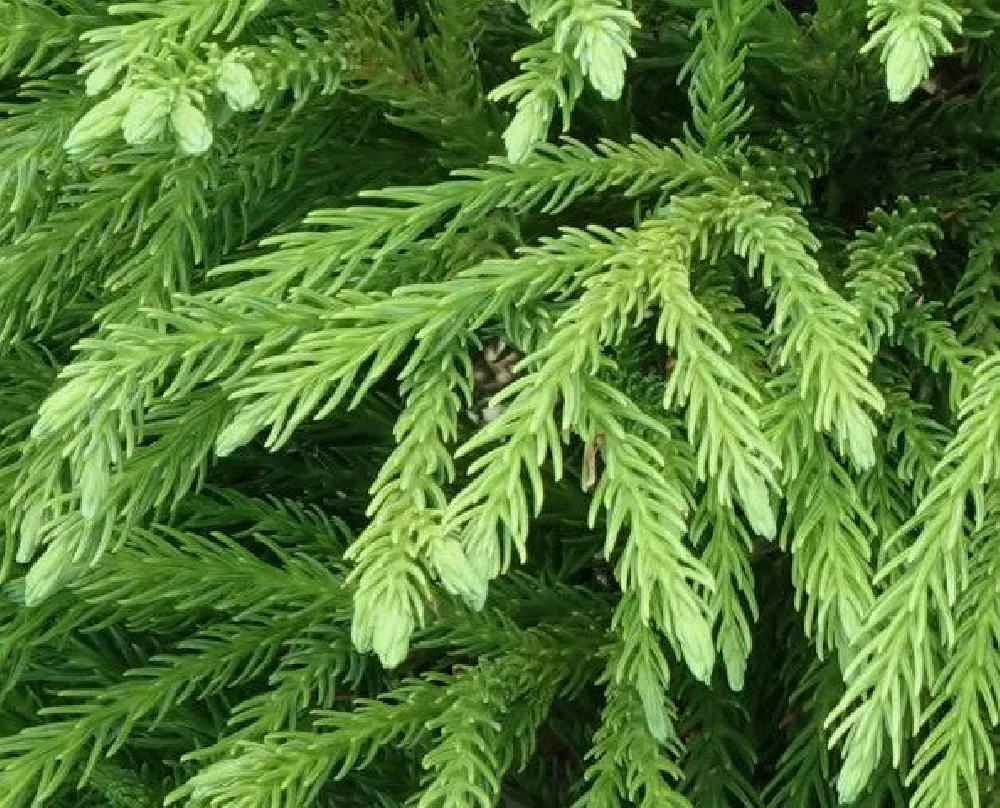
(458, 403)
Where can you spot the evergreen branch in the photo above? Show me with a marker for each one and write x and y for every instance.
(27, 630)
(318, 370)
(245, 78)
(492, 511)
(935, 343)
(184, 23)
(302, 64)
(889, 502)
(167, 570)
(40, 758)
(548, 78)
(725, 545)
(923, 441)
(963, 711)
(377, 329)
(516, 601)
(639, 662)
(288, 769)
(720, 755)
(148, 276)
(910, 34)
(431, 84)
(401, 548)
(313, 664)
(896, 658)
(307, 677)
(722, 425)
(743, 330)
(803, 771)
(640, 492)
(977, 296)
(39, 37)
(826, 530)
(589, 41)
(715, 68)
(729, 448)
(121, 787)
(813, 322)
(549, 181)
(311, 668)
(77, 243)
(463, 767)
(786, 167)
(32, 161)
(506, 701)
(627, 761)
(157, 477)
(883, 268)
(96, 446)
(285, 522)
(200, 339)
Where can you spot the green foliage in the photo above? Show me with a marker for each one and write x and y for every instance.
(365, 442)
(910, 34)
(584, 42)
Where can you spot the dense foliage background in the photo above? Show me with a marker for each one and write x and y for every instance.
(468, 403)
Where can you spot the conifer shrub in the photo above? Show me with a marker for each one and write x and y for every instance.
(469, 403)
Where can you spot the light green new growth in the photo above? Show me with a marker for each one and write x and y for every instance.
(909, 34)
(369, 437)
